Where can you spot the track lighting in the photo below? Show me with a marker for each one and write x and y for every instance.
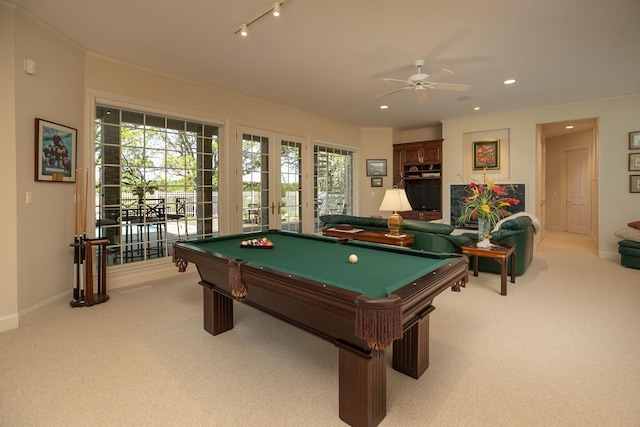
(274, 9)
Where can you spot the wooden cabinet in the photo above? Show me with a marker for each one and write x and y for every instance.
(422, 153)
(422, 215)
(417, 167)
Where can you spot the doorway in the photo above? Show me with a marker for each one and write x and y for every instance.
(271, 180)
(568, 167)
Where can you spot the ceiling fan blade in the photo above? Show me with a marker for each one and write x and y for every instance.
(440, 74)
(421, 94)
(386, 79)
(394, 91)
(450, 86)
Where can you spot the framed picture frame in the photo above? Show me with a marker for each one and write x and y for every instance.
(55, 152)
(634, 184)
(376, 167)
(486, 154)
(634, 140)
(376, 182)
(634, 161)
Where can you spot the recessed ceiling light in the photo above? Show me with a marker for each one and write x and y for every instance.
(384, 107)
(509, 81)
(569, 127)
(476, 108)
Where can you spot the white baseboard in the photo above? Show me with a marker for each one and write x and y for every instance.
(23, 317)
(9, 322)
(117, 277)
(615, 256)
(132, 274)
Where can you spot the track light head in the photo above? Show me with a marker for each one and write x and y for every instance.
(243, 30)
(276, 9)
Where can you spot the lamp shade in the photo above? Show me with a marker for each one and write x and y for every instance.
(395, 200)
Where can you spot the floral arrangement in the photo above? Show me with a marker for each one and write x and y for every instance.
(487, 202)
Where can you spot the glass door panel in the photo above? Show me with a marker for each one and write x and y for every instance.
(290, 205)
(255, 183)
(271, 181)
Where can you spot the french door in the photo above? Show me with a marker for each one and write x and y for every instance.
(271, 180)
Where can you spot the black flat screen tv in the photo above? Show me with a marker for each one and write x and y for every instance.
(424, 194)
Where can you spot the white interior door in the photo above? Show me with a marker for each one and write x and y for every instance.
(578, 191)
(271, 168)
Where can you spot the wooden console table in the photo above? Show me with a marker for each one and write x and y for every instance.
(370, 236)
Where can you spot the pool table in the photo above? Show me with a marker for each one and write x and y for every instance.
(382, 300)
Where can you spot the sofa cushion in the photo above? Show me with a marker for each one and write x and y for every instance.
(628, 233)
(428, 227)
(629, 244)
(371, 222)
(338, 219)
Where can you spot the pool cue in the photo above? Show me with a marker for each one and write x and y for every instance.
(80, 242)
(87, 248)
(76, 245)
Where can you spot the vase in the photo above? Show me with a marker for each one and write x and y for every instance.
(483, 228)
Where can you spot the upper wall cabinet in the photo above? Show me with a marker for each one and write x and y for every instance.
(417, 167)
(419, 153)
(413, 159)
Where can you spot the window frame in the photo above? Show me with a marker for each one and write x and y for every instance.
(169, 114)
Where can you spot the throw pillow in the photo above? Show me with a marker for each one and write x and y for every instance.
(634, 224)
(630, 233)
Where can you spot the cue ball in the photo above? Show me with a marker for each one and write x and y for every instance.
(353, 258)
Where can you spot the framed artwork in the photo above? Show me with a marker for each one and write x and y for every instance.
(376, 167)
(376, 182)
(486, 154)
(634, 184)
(634, 140)
(634, 161)
(55, 156)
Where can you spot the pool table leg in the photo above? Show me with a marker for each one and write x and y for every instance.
(362, 386)
(411, 353)
(217, 311)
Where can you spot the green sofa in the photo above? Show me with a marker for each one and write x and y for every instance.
(437, 237)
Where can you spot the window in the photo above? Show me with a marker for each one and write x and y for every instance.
(156, 181)
(333, 182)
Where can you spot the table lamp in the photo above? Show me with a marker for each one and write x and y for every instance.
(395, 200)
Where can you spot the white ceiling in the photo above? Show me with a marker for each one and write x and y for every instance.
(328, 57)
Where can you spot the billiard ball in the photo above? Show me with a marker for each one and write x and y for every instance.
(353, 258)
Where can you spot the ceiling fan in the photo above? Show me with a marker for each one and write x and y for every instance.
(420, 82)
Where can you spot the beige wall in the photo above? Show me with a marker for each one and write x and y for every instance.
(39, 263)
(617, 117)
(8, 213)
(377, 143)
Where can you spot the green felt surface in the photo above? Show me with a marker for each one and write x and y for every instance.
(379, 270)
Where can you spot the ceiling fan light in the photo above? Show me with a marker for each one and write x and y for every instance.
(276, 9)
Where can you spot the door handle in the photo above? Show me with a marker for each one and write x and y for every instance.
(273, 208)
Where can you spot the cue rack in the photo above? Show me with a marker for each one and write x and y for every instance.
(84, 251)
